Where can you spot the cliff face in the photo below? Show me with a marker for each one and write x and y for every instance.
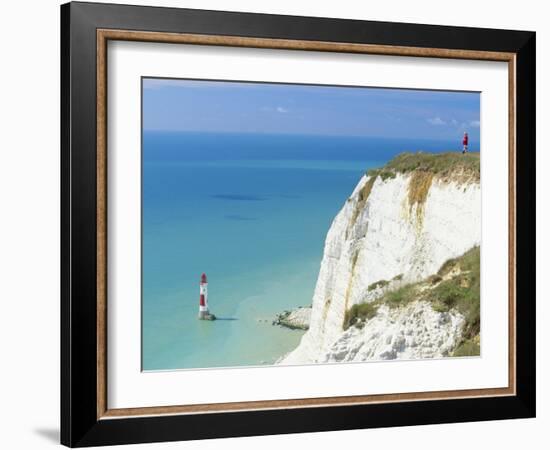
(411, 332)
(392, 231)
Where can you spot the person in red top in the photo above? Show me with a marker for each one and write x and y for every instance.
(465, 143)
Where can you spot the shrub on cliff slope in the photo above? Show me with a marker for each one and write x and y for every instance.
(455, 286)
(460, 289)
(358, 313)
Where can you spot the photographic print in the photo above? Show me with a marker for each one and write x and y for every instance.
(301, 224)
(250, 198)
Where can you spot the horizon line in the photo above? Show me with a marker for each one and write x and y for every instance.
(157, 130)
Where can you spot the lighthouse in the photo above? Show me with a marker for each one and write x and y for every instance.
(204, 313)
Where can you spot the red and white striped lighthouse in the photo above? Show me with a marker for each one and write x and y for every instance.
(204, 313)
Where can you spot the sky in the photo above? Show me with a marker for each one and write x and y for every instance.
(241, 107)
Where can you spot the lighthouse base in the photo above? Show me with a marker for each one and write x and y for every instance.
(205, 315)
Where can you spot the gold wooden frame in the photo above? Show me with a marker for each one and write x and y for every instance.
(103, 36)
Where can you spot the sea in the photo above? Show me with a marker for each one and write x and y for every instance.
(252, 212)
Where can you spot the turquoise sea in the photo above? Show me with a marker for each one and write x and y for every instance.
(252, 212)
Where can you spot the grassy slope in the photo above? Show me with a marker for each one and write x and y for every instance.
(452, 165)
(455, 286)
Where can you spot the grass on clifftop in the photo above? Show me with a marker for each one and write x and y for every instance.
(455, 286)
(447, 166)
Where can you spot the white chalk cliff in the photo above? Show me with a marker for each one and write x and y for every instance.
(391, 231)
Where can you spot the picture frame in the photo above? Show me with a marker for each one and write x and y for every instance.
(86, 29)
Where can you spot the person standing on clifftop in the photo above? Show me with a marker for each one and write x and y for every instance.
(465, 143)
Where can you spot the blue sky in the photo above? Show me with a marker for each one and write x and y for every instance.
(219, 106)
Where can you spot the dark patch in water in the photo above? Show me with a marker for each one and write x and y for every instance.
(239, 218)
(290, 196)
(238, 197)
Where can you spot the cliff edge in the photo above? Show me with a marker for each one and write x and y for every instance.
(399, 227)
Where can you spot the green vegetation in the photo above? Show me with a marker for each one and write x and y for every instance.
(382, 172)
(468, 347)
(400, 297)
(455, 286)
(460, 291)
(357, 313)
(393, 299)
(378, 284)
(383, 283)
(451, 165)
